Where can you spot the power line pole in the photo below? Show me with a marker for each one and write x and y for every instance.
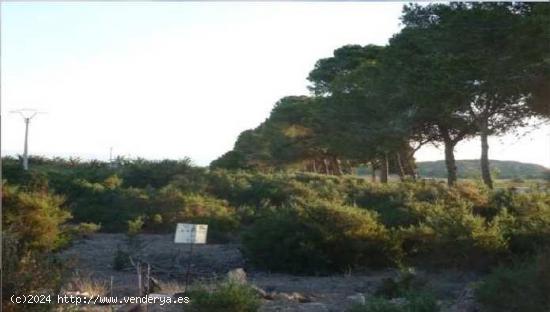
(27, 115)
(111, 159)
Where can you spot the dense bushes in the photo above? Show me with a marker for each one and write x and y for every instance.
(226, 296)
(107, 203)
(136, 173)
(305, 222)
(35, 217)
(142, 173)
(173, 206)
(110, 204)
(31, 229)
(524, 286)
(424, 224)
(28, 271)
(317, 238)
(453, 234)
(394, 202)
(255, 189)
(529, 226)
(407, 293)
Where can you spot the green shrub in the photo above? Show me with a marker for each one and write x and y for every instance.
(257, 189)
(319, 237)
(86, 229)
(414, 302)
(227, 296)
(108, 203)
(421, 301)
(31, 230)
(394, 201)
(229, 186)
(453, 235)
(76, 231)
(157, 219)
(388, 200)
(406, 283)
(175, 206)
(28, 272)
(35, 217)
(525, 286)
(530, 228)
(121, 259)
(135, 226)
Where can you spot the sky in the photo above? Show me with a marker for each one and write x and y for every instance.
(173, 80)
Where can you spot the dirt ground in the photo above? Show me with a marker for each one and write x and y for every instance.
(93, 257)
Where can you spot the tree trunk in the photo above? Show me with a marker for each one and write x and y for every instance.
(325, 162)
(347, 167)
(401, 171)
(407, 160)
(485, 169)
(337, 166)
(314, 166)
(450, 162)
(373, 174)
(384, 172)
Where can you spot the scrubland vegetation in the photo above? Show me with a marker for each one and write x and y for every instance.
(289, 192)
(226, 296)
(300, 223)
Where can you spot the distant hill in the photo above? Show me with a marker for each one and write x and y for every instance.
(470, 169)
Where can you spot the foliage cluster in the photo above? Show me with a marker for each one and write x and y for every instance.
(319, 237)
(524, 286)
(414, 291)
(226, 296)
(344, 223)
(292, 222)
(314, 223)
(378, 104)
(414, 302)
(31, 229)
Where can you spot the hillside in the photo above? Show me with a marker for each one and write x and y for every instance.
(505, 169)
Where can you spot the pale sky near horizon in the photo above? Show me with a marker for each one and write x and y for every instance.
(172, 79)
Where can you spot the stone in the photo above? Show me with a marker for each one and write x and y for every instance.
(300, 297)
(282, 296)
(262, 293)
(237, 276)
(357, 299)
(295, 296)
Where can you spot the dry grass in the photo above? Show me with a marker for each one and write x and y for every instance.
(84, 283)
(171, 287)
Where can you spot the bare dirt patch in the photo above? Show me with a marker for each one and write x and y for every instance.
(168, 261)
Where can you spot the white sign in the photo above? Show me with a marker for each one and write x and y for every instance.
(191, 233)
